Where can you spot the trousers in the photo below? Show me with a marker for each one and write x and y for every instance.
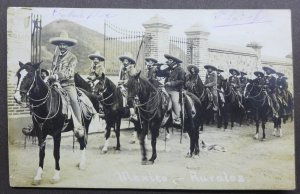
(175, 103)
(71, 90)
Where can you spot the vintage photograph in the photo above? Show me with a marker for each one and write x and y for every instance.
(150, 98)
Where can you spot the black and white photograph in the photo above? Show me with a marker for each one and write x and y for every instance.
(190, 99)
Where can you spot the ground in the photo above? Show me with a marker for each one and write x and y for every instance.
(246, 164)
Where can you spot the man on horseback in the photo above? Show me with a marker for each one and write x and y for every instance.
(44, 75)
(281, 85)
(243, 80)
(192, 78)
(174, 83)
(97, 68)
(211, 84)
(234, 81)
(151, 68)
(259, 78)
(270, 86)
(220, 79)
(63, 67)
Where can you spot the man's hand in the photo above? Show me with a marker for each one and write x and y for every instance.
(53, 77)
(168, 84)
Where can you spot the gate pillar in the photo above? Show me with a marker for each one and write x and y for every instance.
(198, 54)
(158, 29)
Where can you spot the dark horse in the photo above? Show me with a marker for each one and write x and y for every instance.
(151, 114)
(110, 96)
(205, 97)
(260, 105)
(47, 116)
(233, 109)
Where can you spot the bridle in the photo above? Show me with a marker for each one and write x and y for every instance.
(102, 93)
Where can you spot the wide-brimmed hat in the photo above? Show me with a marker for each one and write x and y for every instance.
(96, 55)
(151, 59)
(210, 66)
(189, 67)
(63, 37)
(220, 70)
(46, 71)
(121, 58)
(269, 69)
(280, 74)
(257, 73)
(243, 73)
(234, 70)
(167, 56)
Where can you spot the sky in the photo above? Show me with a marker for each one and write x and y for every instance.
(270, 28)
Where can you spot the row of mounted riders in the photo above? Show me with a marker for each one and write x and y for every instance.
(152, 106)
(150, 103)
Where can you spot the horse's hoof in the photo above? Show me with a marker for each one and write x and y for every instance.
(144, 162)
(104, 151)
(81, 166)
(196, 156)
(117, 148)
(150, 162)
(263, 139)
(36, 182)
(168, 136)
(188, 155)
(255, 136)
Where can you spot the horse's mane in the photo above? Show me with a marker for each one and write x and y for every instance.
(81, 83)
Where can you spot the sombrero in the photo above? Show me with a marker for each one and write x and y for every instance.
(220, 70)
(234, 70)
(46, 71)
(121, 58)
(189, 67)
(280, 74)
(96, 55)
(63, 37)
(210, 66)
(257, 73)
(151, 59)
(167, 56)
(269, 69)
(243, 73)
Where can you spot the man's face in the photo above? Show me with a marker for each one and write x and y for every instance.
(169, 61)
(43, 75)
(96, 60)
(63, 47)
(209, 70)
(126, 62)
(234, 73)
(193, 70)
(149, 63)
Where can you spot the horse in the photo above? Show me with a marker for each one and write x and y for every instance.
(46, 104)
(260, 103)
(110, 96)
(233, 108)
(205, 97)
(151, 114)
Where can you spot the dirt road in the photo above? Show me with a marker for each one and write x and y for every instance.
(246, 164)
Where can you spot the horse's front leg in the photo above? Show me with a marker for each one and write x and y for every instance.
(109, 125)
(56, 154)
(38, 177)
(142, 136)
(154, 135)
(257, 125)
(263, 125)
(118, 123)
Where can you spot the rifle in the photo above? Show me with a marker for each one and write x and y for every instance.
(182, 114)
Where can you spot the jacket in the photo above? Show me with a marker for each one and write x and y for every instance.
(176, 78)
(211, 80)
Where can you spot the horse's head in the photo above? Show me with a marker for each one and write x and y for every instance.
(101, 86)
(251, 88)
(25, 75)
(133, 86)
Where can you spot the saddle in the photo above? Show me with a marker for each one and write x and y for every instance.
(85, 104)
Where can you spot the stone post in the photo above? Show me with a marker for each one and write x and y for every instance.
(158, 29)
(198, 55)
(257, 48)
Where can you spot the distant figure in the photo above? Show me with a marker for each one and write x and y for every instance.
(211, 84)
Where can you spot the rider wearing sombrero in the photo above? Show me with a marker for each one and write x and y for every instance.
(281, 85)
(150, 67)
(243, 80)
(234, 81)
(174, 84)
(270, 86)
(192, 78)
(63, 68)
(97, 68)
(211, 83)
(259, 78)
(220, 78)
